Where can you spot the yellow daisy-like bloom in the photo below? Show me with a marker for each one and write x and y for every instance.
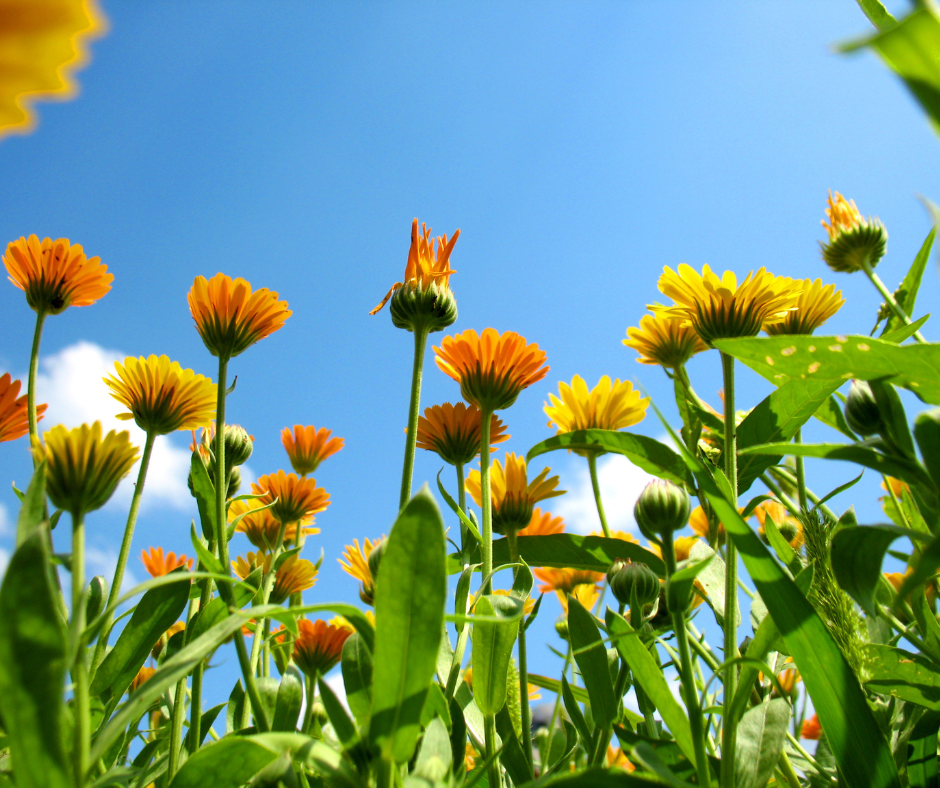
(491, 368)
(358, 566)
(617, 759)
(144, 674)
(720, 308)
(790, 527)
(56, 274)
(319, 645)
(580, 583)
(82, 468)
(898, 487)
(816, 304)
(453, 432)
(230, 317)
(608, 406)
(854, 243)
(307, 447)
(162, 396)
(297, 498)
(667, 341)
(683, 546)
(14, 415)
(244, 566)
(260, 526)
(513, 497)
(292, 577)
(159, 565)
(160, 645)
(698, 521)
(43, 42)
(543, 524)
(527, 606)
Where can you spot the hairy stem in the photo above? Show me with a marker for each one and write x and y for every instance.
(889, 297)
(82, 731)
(592, 465)
(421, 338)
(800, 472)
(525, 711)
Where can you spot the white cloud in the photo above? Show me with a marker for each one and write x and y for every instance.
(71, 383)
(4, 560)
(620, 482)
(6, 523)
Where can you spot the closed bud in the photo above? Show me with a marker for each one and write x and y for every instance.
(430, 308)
(238, 445)
(234, 482)
(629, 581)
(97, 593)
(561, 626)
(663, 507)
(861, 410)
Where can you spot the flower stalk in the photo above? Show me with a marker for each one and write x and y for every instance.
(525, 711)
(888, 296)
(421, 338)
(31, 383)
(82, 731)
(595, 485)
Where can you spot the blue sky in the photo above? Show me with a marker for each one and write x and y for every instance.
(579, 148)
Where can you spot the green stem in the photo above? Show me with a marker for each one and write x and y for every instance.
(486, 493)
(646, 706)
(592, 465)
(466, 549)
(729, 726)
(888, 297)
(564, 672)
(787, 768)
(525, 711)
(792, 506)
(895, 501)
(82, 729)
(421, 338)
(31, 382)
(800, 473)
(494, 778)
(125, 551)
(308, 709)
(195, 706)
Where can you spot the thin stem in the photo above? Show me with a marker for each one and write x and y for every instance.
(526, 712)
(592, 465)
(564, 672)
(195, 706)
(465, 547)
(730, 678)
(795, 742)
(125, 550)
(787, 768)
(31, 382)
(800, 473)
(489, 740)
(176, 730)
(792, 506)
(308, 710)
(888, 296)
(421, 338)
(82, 730)
(486, 494)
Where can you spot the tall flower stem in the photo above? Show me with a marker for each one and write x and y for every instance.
(888, 296)
(592, 465)
(486, 494)
(421, 339)
(465, 547)
(800, 472)
(525, 711)
(115, 591)
(31, 383)
(729, 726)
(195, 706)
(82, 731)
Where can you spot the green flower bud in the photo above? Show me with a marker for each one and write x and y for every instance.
(234, 482)
(432, 308)
(561, 626)
(629, 581)
(854, 242)
(663, 507)
(97, 594)
(861, 410)
(238, 445)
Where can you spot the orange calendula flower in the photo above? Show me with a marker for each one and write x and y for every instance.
(158, 565)
(491, 368)
(260, 526)
(319, 645)
(543, 524)
(454, 432)
(608, 406)
(513, 497)
(144, 674)
(720, 308)
(357, 565)
(307, 447)
(582, 584)
(854, 243)
(816, 304)
(811, 728)
(162, 396)
(667, 341)
(230, 317)
(790, 527)
(297, 498)
(14, 415)
(55, 274)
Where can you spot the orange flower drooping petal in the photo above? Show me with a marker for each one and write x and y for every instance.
(158, 565)
(454, 432)
(811, 728)
(14, 416)
(307, 447)
(297, 498)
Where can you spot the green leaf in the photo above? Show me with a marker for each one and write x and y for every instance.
(922, 752)
(455, 508)
(217, 609)
(156, 612)
(435, 758)
(290, 696)
(204, 491)
(877, 14)
(679, 586)
(597, 777)
(777, 419)
(207, 559)
(410, 596)
(893, 416)
(34, 505)
(906, 294)
(357, 678)
(591, 655)
(511, 754)
(904, 333)
(927, 434)
(435, 705)
(32, 667)
(902, 674)
(646, 453)
(344, 727)
(712, 578)
(574, 711)
(781, 546)
(761, 733)
(492, 650)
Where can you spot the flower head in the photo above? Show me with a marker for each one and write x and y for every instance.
(454, 432)
(14, 416)
(491, 368)
(811, 728)
(161, 395)
(720, 308)
(292, 577)
(667, 341)
(816, 304)
(580, 583)
(260, 526)
(144, 674)
(161, 644)
(608, 406)
(82, 468)
(158, 565)
(319, 645)
(513, 496)
(357, 565)
(55, 274)
(297, 498)
(230, 317)
(307, 447)
(698, 521)
(854, 243)
(790, 527)
(543, 524)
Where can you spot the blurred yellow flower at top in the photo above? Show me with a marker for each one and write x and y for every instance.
(608, 406)
(453, 432)
(543, 524)
(161, 395)
(307, 447)
(14, 419)
(55, 274)
(667, 341)
(720, 308)
(42, 42)
(230, 317)
(623, 536)
(817, 303)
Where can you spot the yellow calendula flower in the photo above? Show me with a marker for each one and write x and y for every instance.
(230, 317)
(162, 396)
(667, 341)
(307, 447)
(854, 243)
(513, 496)
(543, 524)
(293, 576)
(260, 526)
(608, 406)
(582, 584)
(491, 368)
(14, 418)
(453, 432)
(357, 564)
(720, 308)
(790, 527)
(56, 274)
(297, 497)
(82, 467)
(816, 304)
(319, 645)
(143, 675)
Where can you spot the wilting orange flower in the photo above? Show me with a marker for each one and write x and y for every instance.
(307, 447)
(580, 583)
(230, 318)
(513, 497)
(790, 527)
(666, 341)
(292, 577)
(817, 303)
(297, 498)
(453, 432)
(358, 566)
(261, 528)
(55, 274)
(14, 415)
(144, 674)
(158, 565)
(543, 524)
(43, 42)
(161, 395)
(608, 406)
(811, 728)
(617, 759)
(491, 368)
(319, 645)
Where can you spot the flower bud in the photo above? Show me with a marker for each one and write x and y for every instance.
(431, 308)
(234, 482)
(375, 558)
(663, 507)
(629, 581)
(854, 243)
(238, 445)
(861, 410)
(97, 593)
(561, 626)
